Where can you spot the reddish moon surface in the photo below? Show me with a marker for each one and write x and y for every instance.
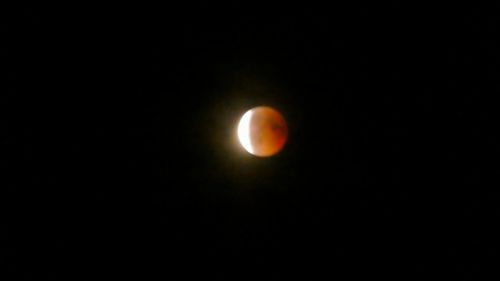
(262, 131)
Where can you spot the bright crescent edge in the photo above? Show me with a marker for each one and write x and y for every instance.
(244, 131)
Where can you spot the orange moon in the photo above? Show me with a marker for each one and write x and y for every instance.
(262, 131)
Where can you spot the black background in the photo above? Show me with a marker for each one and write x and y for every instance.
(119, 156)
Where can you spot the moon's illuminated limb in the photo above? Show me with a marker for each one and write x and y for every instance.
(244, 131)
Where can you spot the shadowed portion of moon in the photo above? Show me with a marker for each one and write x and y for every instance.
(268, 131)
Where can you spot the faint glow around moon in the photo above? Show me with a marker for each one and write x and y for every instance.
(244, 131)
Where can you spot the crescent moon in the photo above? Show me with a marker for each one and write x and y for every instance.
(244, 131)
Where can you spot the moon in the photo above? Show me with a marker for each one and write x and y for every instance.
(262, 131)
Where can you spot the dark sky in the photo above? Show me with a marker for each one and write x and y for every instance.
(119, 157)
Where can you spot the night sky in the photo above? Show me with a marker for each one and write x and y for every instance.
(120, 160)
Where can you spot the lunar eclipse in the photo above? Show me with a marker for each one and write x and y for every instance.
(262, 131)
